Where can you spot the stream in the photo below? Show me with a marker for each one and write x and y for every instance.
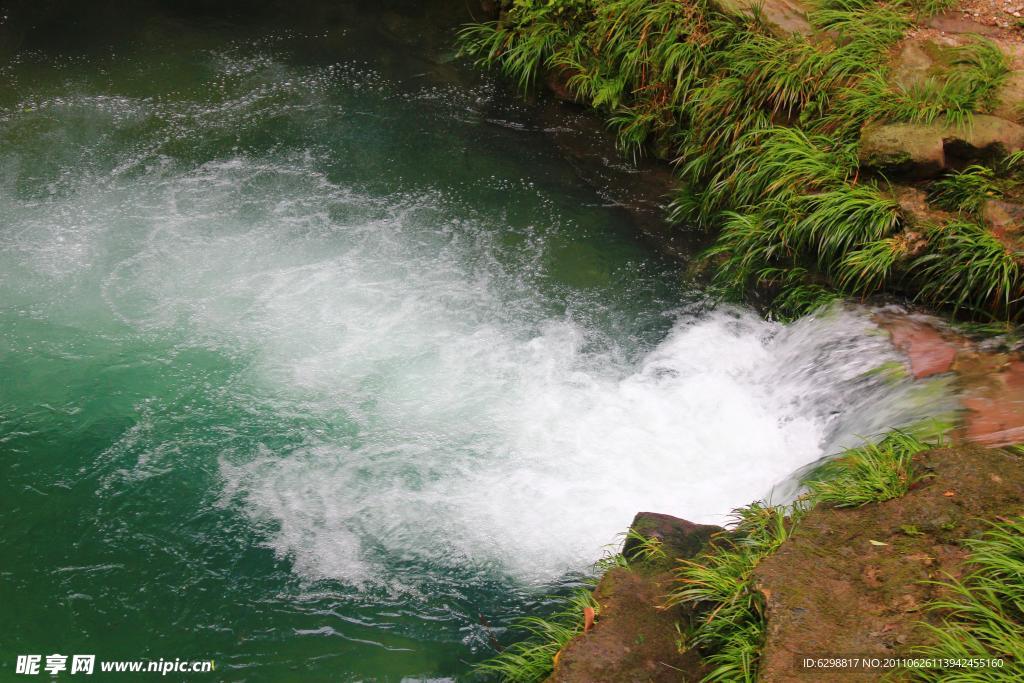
(319, 360)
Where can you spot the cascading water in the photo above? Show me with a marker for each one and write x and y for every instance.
(324, 367)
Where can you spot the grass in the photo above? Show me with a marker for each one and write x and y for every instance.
(646, 549)
(967, 267)
(965, 191)
(532, 659)
(984, 615)
(719, 586)
(871, 473)
(764, 132)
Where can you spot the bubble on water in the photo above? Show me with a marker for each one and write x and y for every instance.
(421, 399)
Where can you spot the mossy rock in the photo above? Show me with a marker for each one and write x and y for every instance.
(924, 150)
(1011, 98)
(781, 17)
(680, 539)
(987, 137)
(907, 149)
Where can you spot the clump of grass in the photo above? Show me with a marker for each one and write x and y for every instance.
(531, 660)
(967, 267)
(719, 585)
(985, 613)
(869, 474)
(965, 191)
(649, 549)
(868, 268)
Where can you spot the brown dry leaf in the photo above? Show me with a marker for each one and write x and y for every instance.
(588, 618)
(921, 557)
(871, 576)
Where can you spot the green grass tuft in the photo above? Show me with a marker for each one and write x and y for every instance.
(719, 585)
(965, 191)
(869, 474)
(531, 660)
(985, 613)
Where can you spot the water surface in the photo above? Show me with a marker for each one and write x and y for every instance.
(319, 361)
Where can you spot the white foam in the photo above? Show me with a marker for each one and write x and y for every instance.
(436, 409)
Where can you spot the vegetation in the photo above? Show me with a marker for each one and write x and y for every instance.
(985, 613)
(869, 474)
(532, 659)
(719, 585)
(764, 131)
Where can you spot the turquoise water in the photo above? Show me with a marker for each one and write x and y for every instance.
(319, 361)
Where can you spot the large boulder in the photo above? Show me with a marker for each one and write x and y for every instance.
(988, 137)
(1011, 98)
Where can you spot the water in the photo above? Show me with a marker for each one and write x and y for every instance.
(320, 362)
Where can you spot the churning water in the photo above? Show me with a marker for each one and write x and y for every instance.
(308, 368)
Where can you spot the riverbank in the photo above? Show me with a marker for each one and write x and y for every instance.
(834, 149)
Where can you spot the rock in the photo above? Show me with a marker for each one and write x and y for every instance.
(557, 82)
(994, 398)
(1011, 98)
(928, 351)
(830, 591)
(781, 17)
(921, 150)
(907, 149)
(680, 538)
(633, 640)
(988, 137)
(954, 23)
(1005, 218)
(918, 215)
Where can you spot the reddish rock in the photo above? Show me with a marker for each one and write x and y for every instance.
(994, 399)
(926, 348)
(633, 640)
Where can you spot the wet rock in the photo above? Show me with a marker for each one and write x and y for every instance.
(926, 348)
(906, 149)
(633, 640)
(852, 582)
(994, 398)
(781, 17)
(680, 538)
(557, 82)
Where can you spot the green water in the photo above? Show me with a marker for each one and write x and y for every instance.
(320, 360)
(196, 210)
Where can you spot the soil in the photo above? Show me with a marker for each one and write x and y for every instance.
(848, 581)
